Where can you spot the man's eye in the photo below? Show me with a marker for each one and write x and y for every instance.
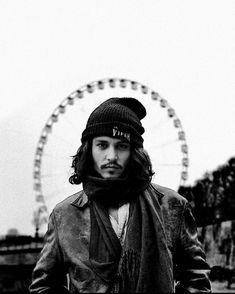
(123, 146)
(102, 145)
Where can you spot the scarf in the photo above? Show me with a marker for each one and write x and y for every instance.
(113, 191)
(144, 263)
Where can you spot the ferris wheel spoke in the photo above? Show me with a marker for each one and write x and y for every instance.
(73, 128)
(62, 140)
(62, 191)
(55, 156)
(165, 144)
(169, 164)
(161, 123)
(54, 175)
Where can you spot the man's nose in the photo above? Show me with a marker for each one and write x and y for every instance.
(111, 154)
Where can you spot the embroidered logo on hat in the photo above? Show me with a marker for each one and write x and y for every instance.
(118, 133)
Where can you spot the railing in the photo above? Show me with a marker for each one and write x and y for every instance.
(20, 244)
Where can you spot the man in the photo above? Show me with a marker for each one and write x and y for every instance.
(121, 233)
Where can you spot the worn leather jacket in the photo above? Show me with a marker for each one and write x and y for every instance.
(64, 261)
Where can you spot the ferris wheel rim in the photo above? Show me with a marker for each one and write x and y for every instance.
(79, 94)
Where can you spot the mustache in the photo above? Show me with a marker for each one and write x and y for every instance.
(111, 164)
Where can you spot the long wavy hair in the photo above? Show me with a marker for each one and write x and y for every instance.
(140, 166)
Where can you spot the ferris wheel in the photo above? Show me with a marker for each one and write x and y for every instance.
(164, 140)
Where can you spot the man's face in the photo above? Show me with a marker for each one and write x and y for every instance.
(110, 156)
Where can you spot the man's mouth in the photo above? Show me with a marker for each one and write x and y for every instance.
(111, 165)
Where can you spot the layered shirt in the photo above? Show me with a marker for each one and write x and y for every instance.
(119, 223)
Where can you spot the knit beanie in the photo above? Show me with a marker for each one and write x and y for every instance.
(117, 117)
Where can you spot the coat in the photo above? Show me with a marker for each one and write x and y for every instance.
(64, 260)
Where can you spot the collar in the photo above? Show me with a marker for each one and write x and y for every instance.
(82, 199)
(156, 188)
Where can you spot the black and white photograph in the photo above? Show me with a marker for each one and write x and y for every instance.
(117, 146)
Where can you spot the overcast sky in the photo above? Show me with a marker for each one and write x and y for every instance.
(185, 50)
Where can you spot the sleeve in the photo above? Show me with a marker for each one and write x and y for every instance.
(49, 273)
(191, 267)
